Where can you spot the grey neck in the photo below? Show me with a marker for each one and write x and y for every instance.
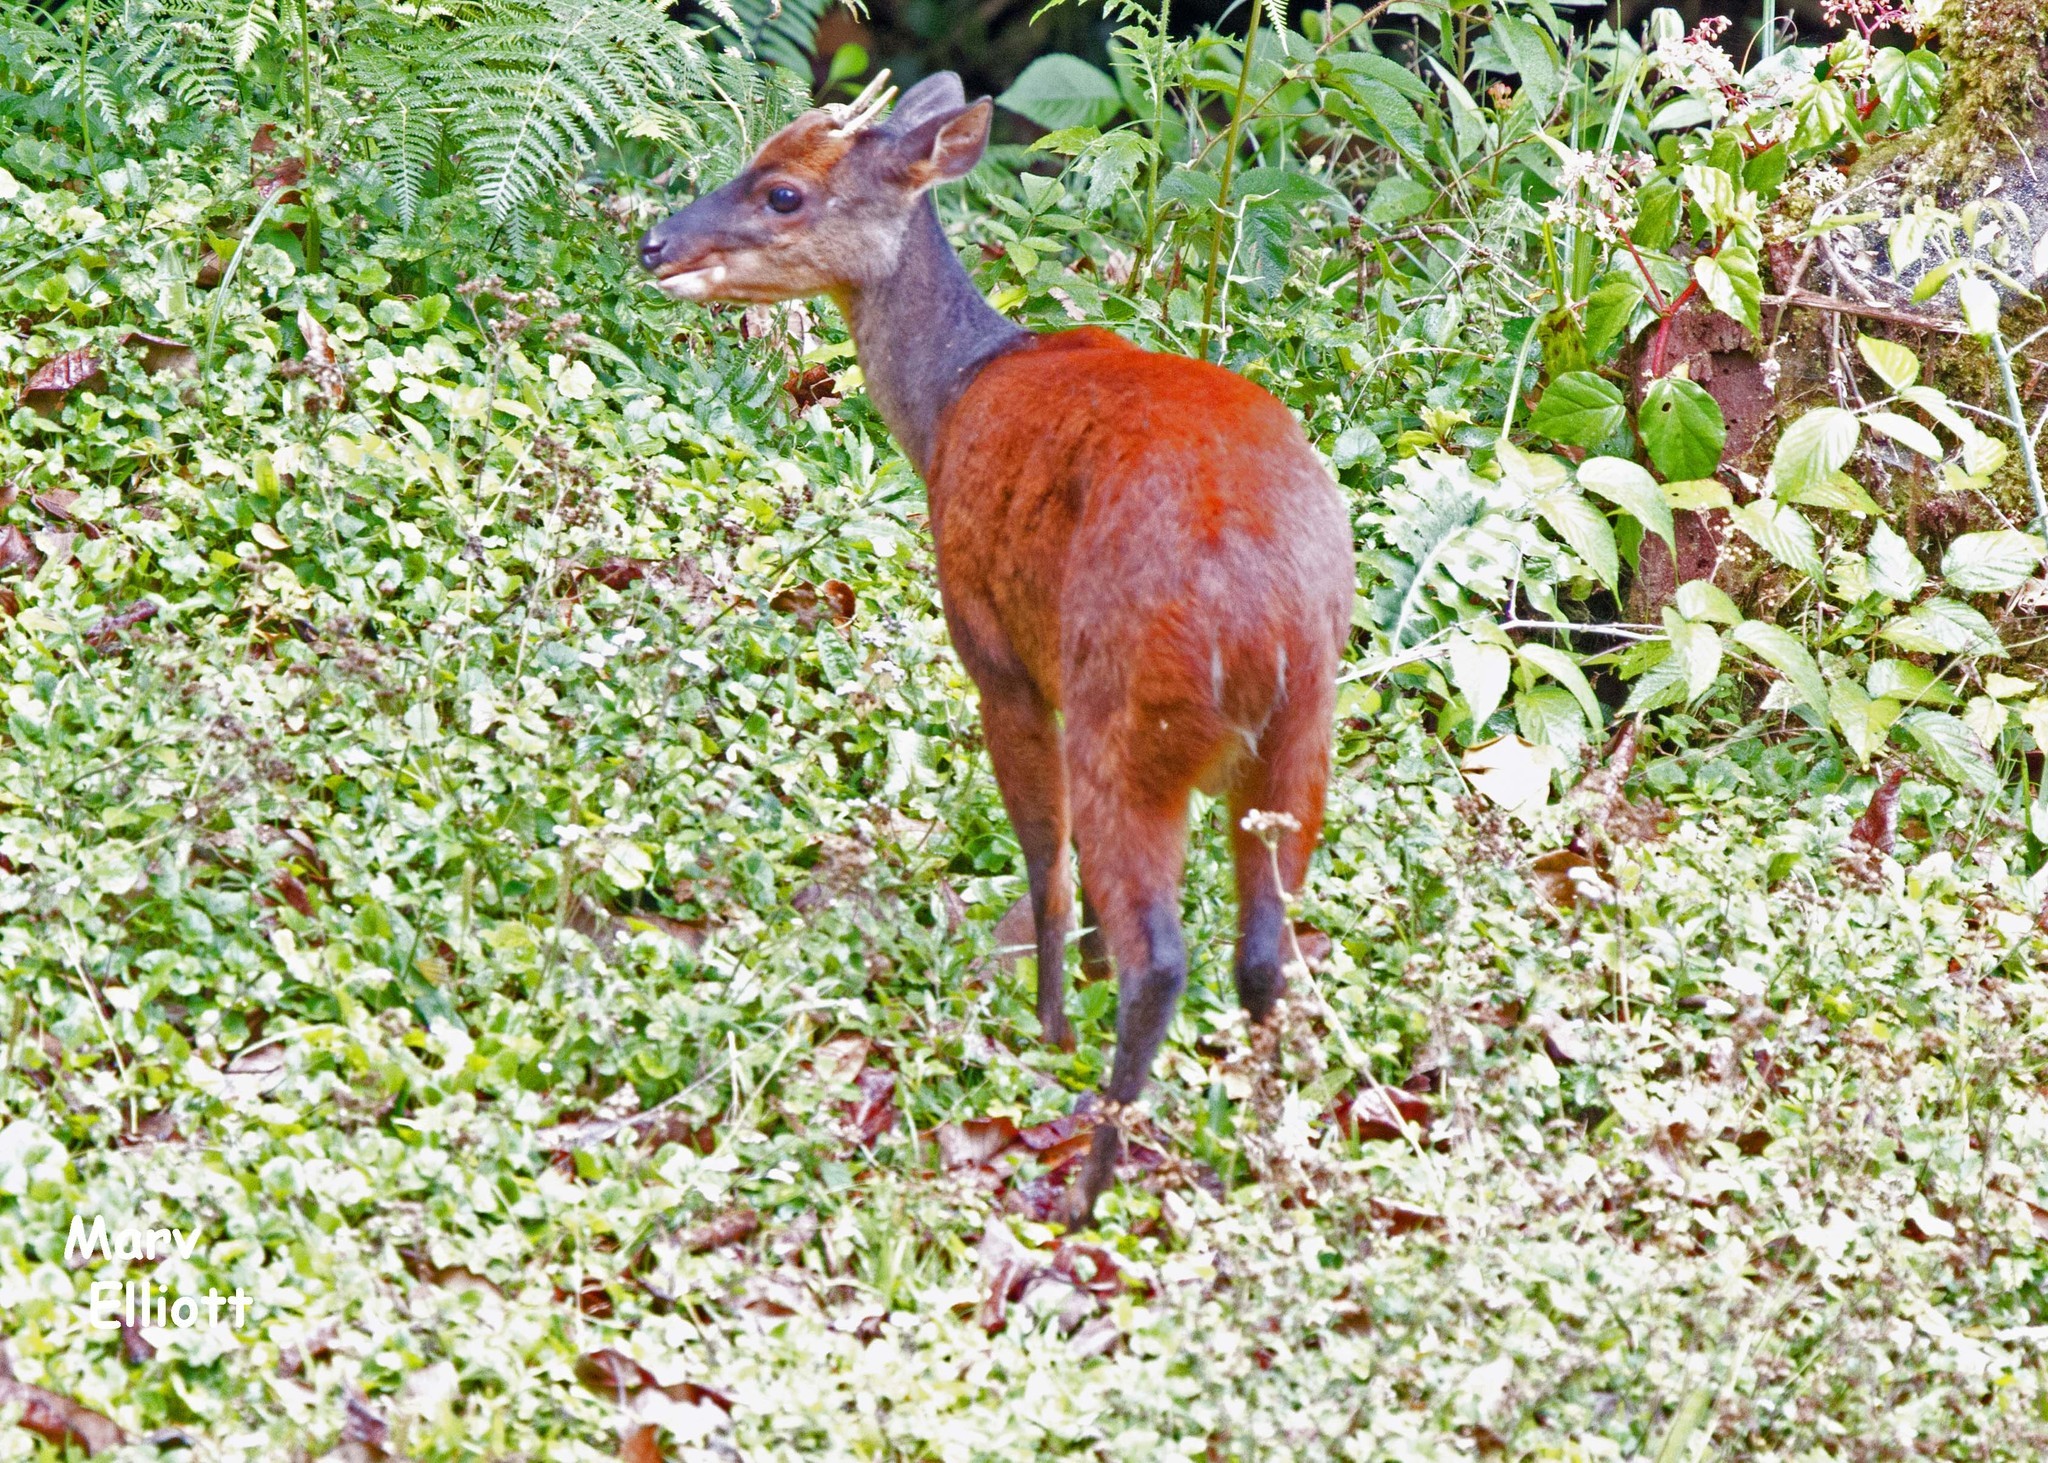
(923, 332)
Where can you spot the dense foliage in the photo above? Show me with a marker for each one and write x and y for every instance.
(494, 844)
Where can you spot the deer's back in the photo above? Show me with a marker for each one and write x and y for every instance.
(1091, 499)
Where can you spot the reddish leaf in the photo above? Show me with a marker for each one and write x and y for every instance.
(361, 1425)
(875, 1113)
(135, 1347)
(1560, 877)
(976, 1141)
(728, 1228)
(293, 893)
(617, 573)
(1878, 828)
(1403, 1218)
(810, 386)
(108, 631)
(56, 1418)
(1377, 1114)
(160, 354)
(16, 552)
(160, 1126)
(284, 177)
(840, 596)
(56, 379)
(641, 1444)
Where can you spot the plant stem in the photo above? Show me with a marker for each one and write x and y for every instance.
(1142, 265)
(312, 243)
(1244, 78)
(1770, 34)
(84, 111)
(2019, 426)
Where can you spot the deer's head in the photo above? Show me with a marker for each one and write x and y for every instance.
(822, 208)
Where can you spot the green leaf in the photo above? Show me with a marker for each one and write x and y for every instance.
(1608, 311)
(1816, 445)
(1062, 91)
(1980, 305)
(1731, 283)
(1943, 627)
(1697, 494)
(1780, 531)
(1782, 650)
(1698, 599)
(1587, 531)
(1763, 173)
(1628, 486)
(1901, 680)
(1840, 492)
(1896, 366)
(1550, 718)
(1863, 721)
(1579, 409)
(1953, 748)
(1906, 432)
(1991, 563)
(1682, 426)
(1697, 647)
(1909, 85)
(1664, 684)
(1656, 223)
(1480, 672)
(1396, 198)
(1895, 572)
(1560, 667)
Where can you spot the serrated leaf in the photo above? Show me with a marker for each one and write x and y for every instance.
(1664, 684)
(1549, 717)
(1953, 748)
(1780, 531)
(1580, 409)
(1561, 668)
(1530, 472)
(1781, 649)
(1980, 305)
(1818, 444)
(1895, 572)
(1586, 530)
(1697, 495)
(1840, 492)
(1943, 627)
(1683, 428)
(1901, 680)
(1629, 487)
(1896, 366)
(1608, 311)
(1698, 599)
(1732, 284)
(1991, 563)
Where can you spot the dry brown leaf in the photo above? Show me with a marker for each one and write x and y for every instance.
(16, 552)
(108, 631)
(56, 379)
(161, 354)
(974, 1142)
(254, 1072)
(55, 1418)
(1379, 1114)
(641, 1444)
(725, 1229)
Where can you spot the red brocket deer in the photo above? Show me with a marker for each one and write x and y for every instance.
(1145, 568)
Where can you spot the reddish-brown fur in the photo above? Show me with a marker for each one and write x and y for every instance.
(1148, 574)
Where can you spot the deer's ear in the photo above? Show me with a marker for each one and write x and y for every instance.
(945, 147)
(935, 96)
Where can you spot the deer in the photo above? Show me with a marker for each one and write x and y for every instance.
(1145, 568)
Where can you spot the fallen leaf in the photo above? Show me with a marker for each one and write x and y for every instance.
(641, 1444)
(56, 379)
(108, 631)
(56, 1418)
(16, 552)
(1567, 879)
(875, 1113)
(1564, 1042)
(1511, 773)
(976, 1141)
(135, 1347)
(257, 1071)
(1379, 1114)
(1403, 1218)
(728, 1228)
(161, 354)
(1878, 828)
(810, 387)
(840, 596)
(618, 572)
(364, 1427)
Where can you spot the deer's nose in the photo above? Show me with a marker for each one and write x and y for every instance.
(650, 250)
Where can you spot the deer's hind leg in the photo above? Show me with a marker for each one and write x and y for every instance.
(1288, 776)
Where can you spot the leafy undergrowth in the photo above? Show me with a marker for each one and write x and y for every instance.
(496, 853)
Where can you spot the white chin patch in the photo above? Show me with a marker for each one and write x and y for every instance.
(693, 284)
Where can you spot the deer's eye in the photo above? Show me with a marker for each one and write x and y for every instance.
(785, 199)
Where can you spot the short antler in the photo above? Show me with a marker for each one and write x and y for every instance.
(849, 117)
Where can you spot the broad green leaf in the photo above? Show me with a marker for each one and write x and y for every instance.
(1895, 572)
(1697, 648)
(1699, 599)
(1731, 283)
(1822, 116)
(1980, 305)
(1682, 426)
(1987, 719)
(1954, 748)
(1943, 627)
(1608, 311)
(1780, 531)
(1561, 668)
(1863, 721)
(1908, 83)
(1062, 91)
(1629, 487)
(1937, 406)
(1817, 444)
(1587, 531)
(1782, 650)
(1697, 494)
(1664, 684)
(1530, 472)
(1551, 718)
(1896, 366)
(1906, 432)
(1480, 672)
(1397, 197)
(1580, 409)
(1712, 189)
(1838, 491)
(1901, 680)
(1657, 214)
(1991, 563)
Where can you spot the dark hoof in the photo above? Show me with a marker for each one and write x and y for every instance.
(1259, 991)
